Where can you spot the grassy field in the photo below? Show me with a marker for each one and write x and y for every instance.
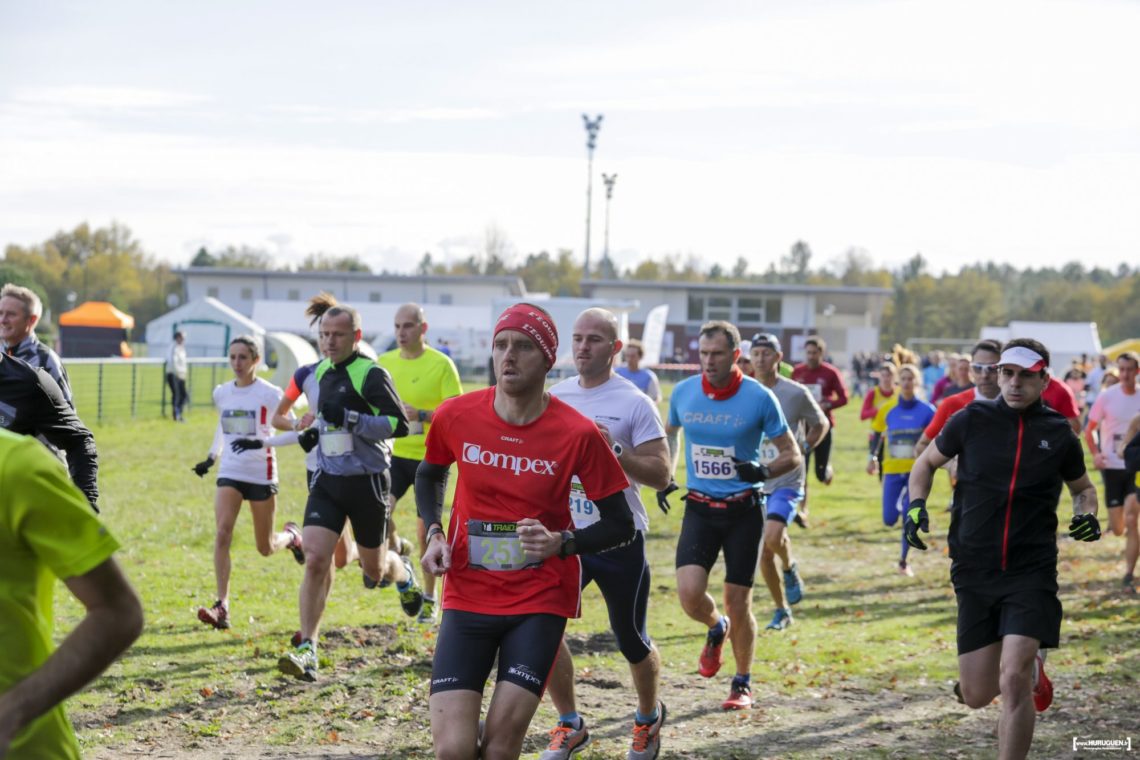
(866, 670)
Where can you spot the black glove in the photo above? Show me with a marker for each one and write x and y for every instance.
(203, 467)
(663, 496)
(308, 439)
(914, 520)
(1084, 528)
(246, 444)
(333, 413)
(751, 473)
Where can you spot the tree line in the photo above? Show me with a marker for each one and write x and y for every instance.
(110, 264)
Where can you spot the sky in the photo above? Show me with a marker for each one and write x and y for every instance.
(967, 131)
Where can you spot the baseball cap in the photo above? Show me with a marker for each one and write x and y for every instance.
(1020, 356)
(745, 347)
(767, 340)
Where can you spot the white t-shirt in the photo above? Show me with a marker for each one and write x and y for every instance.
(246, 413)
(632, 420)
(1112, 412)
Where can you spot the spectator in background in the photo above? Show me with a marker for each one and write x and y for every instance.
(644, 379)
(48, 533)
(957, 378)
(1094, 377)
(20, 312)
(176, 371)
(1076, 379)
(933, 369)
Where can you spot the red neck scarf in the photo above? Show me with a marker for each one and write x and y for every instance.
(727, 392)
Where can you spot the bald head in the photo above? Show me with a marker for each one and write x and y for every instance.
(410, 328)
(595, 344)
(601, 320)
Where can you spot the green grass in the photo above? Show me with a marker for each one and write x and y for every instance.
(866, 669)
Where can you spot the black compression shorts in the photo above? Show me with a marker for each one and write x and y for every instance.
(1118, 484)
(468, 643)
(363, 499)
(403, 476)
(249, 491)
(822, 455)
(737, 528)
(991, 605)
(622, 575)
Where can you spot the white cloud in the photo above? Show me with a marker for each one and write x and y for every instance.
(109, 98)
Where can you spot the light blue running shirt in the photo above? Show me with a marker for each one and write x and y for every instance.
(717, 431)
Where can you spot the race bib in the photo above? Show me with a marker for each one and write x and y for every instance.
(901, 450)
(712, 462)
(415, 427)
(816, 391)
(495, 546)
(336, 443)
(239, 422)
(582, 509)
(768, 452)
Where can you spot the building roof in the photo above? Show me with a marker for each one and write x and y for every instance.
(735, 286)
(515, 283)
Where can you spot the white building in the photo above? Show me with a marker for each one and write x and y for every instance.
(848, 318)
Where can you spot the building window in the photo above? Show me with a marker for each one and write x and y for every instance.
(374, 297)
(773, 311)
(747, 310)
(750, 311)
(212, 292)
(445, 299)
(247, 294)
(696, 309)
(294, 295)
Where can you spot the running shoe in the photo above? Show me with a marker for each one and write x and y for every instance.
(427, 612)
(294, 544)
(369, 583)
(801, 518)
(739, 697)
(565, 740)
(712, 655)
(411, 598)
(828, 475)
(1128, 582)
(905, 569)
(1043, 691)
(647, 737)
(218, 616)
(781, 620)
(405, 547)
(793, 584)
(958, 692)
(301, 663)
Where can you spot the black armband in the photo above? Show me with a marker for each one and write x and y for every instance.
(431, 485)
(876, 440)
(613, 529)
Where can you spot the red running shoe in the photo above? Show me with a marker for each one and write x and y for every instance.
(218, 616)
(712, 655)
(1043, 691)
(739, 697)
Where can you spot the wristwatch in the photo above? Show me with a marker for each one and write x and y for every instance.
(569, 546)
(618, 449)
(422, 415)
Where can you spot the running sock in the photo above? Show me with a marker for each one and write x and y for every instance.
(742, 680)
(572, 719)
(401, 587)
(646, 720)
(429, 598)
(718, 630)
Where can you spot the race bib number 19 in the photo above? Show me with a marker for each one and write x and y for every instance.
(495, 546)
(582, 509)
(713, 462)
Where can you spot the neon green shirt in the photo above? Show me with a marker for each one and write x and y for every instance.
(47, 531)
(423, 382)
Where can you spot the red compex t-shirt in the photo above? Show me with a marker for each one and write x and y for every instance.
(508, 472)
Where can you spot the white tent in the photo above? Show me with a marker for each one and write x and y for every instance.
(209, 326)
(290, 352)
(1065, 340)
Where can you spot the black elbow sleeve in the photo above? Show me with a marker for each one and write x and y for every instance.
(431, 485)
(615, 527)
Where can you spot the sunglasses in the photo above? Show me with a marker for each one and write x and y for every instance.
(984, 368)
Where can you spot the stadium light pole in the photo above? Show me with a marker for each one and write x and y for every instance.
(610, 180)
(592, 128)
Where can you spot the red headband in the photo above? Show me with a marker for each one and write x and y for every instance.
(536, 325)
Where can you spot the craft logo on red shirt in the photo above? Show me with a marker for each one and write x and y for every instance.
(473, 453)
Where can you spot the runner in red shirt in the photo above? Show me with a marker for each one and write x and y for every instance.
(825, 382)
(1060, 398)
(512, 577)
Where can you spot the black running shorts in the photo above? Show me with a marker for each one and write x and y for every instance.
(468, 642)
(362, 499)
(993, 604)
(249, 491)
(737, 529)
(822, 455)
(1117, 486)
(622, 575)
(403, 476)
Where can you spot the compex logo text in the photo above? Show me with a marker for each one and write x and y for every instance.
(473, 453)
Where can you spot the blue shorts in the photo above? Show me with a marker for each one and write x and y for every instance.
(896, 497)
(782, 504)
(622, 575)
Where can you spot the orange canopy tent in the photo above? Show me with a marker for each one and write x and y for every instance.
(95, 328)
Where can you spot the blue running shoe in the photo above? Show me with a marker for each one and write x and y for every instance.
(793, 585)
(781, 620)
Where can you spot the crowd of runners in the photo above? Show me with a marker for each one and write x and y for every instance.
(547, 499)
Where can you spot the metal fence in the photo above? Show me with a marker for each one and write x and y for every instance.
(108, 390)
